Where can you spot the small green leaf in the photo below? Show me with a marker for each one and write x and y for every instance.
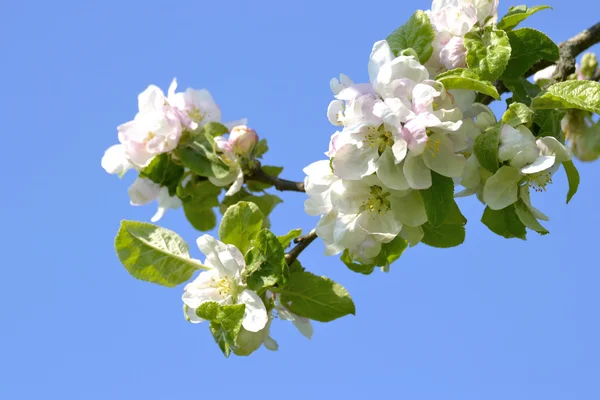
(265, 202)
(365, 269)
(572, 177)
(516, 14)
(261, 148)
(198, 155)
(201, 197)
(265, 262)
(154, 254)
(523, 90)
(528, 219)
(164, 171)
(528, 46)
(390, 252)
(286, 239)
(504, 222)
(315, 297)
(486, 148)
(582, 95)
(488, 52)
(517, 114)
(416, 34)
(461, 78)
(438, 198)
(240, 225)
(443, 236)
(209, 311)
(214, 129)
(226, 327)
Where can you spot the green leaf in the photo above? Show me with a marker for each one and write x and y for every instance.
(582, 95)
(528, 219)
(226, 327)
(443, 236)
(572, 177)
(523, 90)
(214, 129)
(315, 297)
(488, 52)
(248, 342)
(416, 34)
(200, 198)
(516, 14)
(365, 269)
(296, 266)
(209, 311)
(528, 46)
(504, 222)
(549, 123)
(154, 254)
(261, 148)
(199, 156)
(286, 239)
(438, 198)
(164, 171)
(486, 148)
(256, 186)
(265, 202)
(517, 114)
(265, 262)
(240, 224)
(391, 251)
(461, 78)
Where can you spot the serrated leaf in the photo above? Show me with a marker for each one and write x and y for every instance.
(154, 254)
(438, 198)
(461, 78)
(164, 171)
(572, 178)
(518, 114)
(528, 46)
(443, 236)
(315, 297)
(265, 262)
(516, 14)
(581, 95)
(208, 311)
(416, 34)
(486, 148)
(261, 148)
(505, 222)
(488, 52)
(391, 252)
(286, 239)
(226, 327)
(528, 219)
(201, 197)
(523, 90)
(240, 225)
(265, 202)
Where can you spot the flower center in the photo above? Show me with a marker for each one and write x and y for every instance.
(433, 146)
(539, 181)
(225, 287)
(196, 115)
(380, 138)
(377, 202)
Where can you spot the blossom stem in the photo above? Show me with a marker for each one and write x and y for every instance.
(569, 50)
(302, 243)
(257, 174)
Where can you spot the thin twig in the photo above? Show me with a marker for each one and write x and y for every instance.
(259, 175)
(302, 243)
(596, 76)
(565, 66)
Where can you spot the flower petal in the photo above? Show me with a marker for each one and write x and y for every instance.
(439, 156)
(391, 173)
(416, 172)
(115, 160)
(500, 190)
(541, 163)
(255, 314)
(550, 146)
(353, 163)
(409, 209)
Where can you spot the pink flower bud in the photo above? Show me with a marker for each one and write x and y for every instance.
(453, 55)
(242, 139)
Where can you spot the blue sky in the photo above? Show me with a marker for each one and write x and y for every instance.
(492, 319)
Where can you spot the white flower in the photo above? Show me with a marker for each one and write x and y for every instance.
(454, 53)
(235, 178)
(242, 139)
(501, 190)
(453, 16)
(301, 323)
(222, 283)
(544, 75)
(197, 106)
(144, 191)
(115, 160)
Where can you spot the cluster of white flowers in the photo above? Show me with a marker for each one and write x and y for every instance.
(157, 128)
(223, 284)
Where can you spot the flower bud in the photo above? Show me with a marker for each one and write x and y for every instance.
(242, 139)
(589, 64)
(453, 55)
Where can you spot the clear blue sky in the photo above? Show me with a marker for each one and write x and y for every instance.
(493, 319)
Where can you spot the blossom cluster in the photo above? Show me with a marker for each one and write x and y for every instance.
(160, 125)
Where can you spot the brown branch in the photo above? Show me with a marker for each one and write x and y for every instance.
(302, 243)
(596, 76)
(259, 175)
(569, 50)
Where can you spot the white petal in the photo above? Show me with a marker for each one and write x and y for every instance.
(380, 55)
(439, 156)
(172, 89)
(334, 112)
(500, 190)
(142, 191)
(191, 316)
(541, 163)
(390, 173)
(413, 235)
(301, 323)
(416, 172)
(400, 148)
(152, 99)
(237, 183)
(550, 146)
(353, 163)
(115, 160)
(383, 227)
(409, 209)
(255, 314)
(544, 74)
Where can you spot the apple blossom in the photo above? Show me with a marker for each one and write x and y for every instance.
(235, 178)
(223, 284)
(144, 191)
(242, 139)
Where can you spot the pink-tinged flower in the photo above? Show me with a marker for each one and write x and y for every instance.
(242, 139)
(194, 107)
(454, 54)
